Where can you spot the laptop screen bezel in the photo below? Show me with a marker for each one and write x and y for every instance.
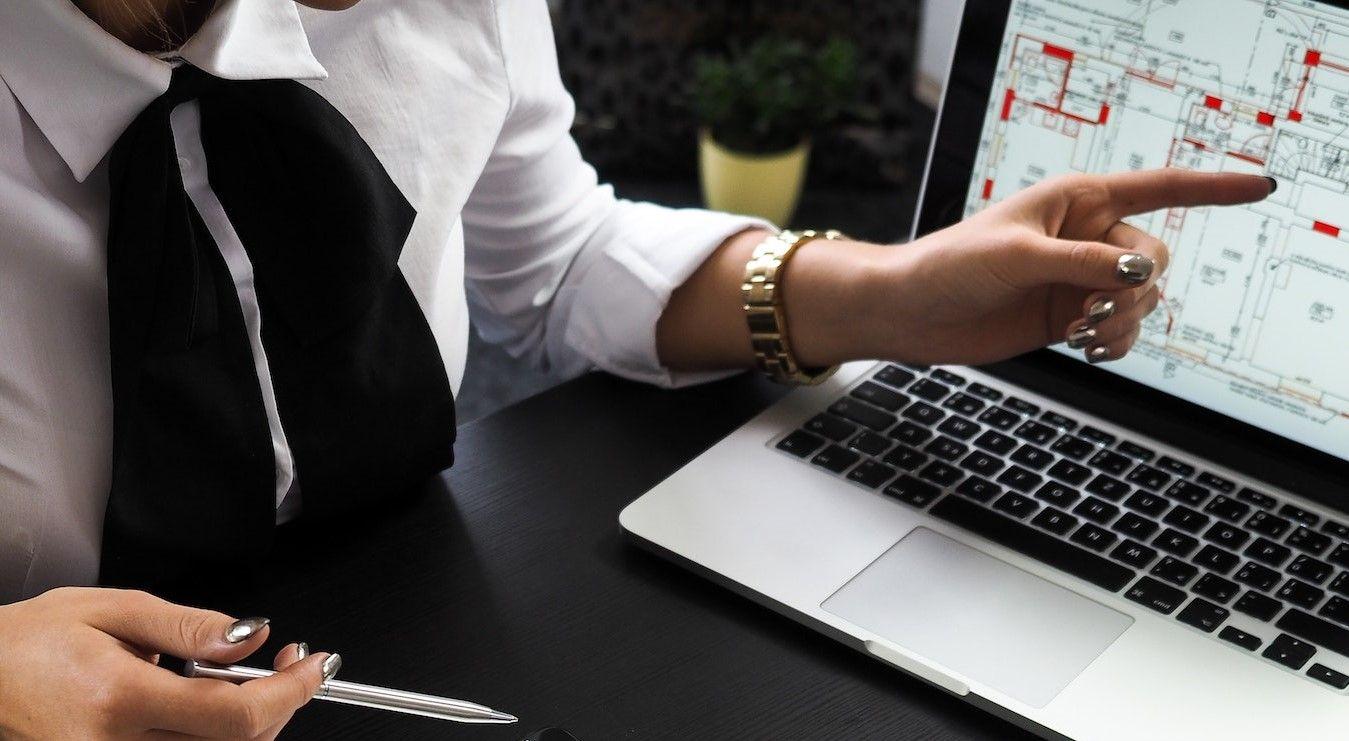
(1230, 442)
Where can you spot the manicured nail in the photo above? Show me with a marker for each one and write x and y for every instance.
(1081, 337)
(301, 651)
(1273, 184)
(241, 630)
(331, 665)
(1101, 311)
(1135, 268)
(1098, 355)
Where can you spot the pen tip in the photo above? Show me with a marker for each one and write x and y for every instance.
(504, 717)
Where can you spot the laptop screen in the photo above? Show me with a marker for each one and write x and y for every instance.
(1255, 318)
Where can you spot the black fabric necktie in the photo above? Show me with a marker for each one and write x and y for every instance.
(360, 386)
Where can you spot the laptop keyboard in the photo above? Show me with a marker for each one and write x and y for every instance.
(1162, 532)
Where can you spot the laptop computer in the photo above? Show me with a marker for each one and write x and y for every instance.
(1153, 548)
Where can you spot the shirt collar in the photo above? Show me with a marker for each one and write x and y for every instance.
(82, 87)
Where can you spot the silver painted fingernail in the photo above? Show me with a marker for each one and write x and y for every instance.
(1098, 355)
(301, 651)
(1101, 311)
(1081, 338)
(1134, 268)
(241, 630)
(331, 665)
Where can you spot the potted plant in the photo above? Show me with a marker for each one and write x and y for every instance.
(757, 110)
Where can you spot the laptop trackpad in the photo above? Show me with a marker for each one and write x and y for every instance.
(978, 616)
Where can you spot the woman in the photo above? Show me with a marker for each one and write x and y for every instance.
(227, 303)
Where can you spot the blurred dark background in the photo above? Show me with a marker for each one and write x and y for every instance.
(628, 63)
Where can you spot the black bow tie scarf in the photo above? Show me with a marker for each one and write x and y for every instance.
(361, 390)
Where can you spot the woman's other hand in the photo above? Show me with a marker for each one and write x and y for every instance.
(80, 663)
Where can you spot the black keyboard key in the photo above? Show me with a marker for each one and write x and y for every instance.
(1036, 432)
(1227, 536)
(1057, 494)
(1339, 530)
(940, 473)
(869, 443)
(1163, 598)
(1099, 437)
(1016, 505)
(893, 375)
(831, 427)
(947, 377)
(1267, 524)
(1308, 540)
(1107, 487)
(1134, 450)
(1268, 552)
(1032, 457)
(982, 463)
(1258, 498)
(1228, 509)
(1300, 593)
(1186, 519)
(1311, 628)
(800, 443)
(1033, 543)
(1054, 419)
(1337, 609)
(928, 389)
(984, 392)
(995, 442)
(1135, 526)
(1323, 673)
(1094, 537)
(1021, 406)
(1340, 556)
(1149, 504)
(1175, 571)
(1073, 447)
(1000, 418)
(1309, 569)
(1175, 542)
(1192, 494)
(1204, 615)
(1111, 462)
(1055, 521)
(1216, 559)
(1240, 638)
(871, 474)
(946, 448)
(1213, 481)
(1132, 553)
(1019, 478)
(862, 414)
(835, 458)
(1289, 651)
(964, 404)
(1096, 510)
(1341, 584)
(1294, 512)
(959, 428)
(1066, 470)
(1216, 588)
(910, 490)
(1175, 467)
(1258, 606)
(1255, 575)
(1148, 477)
(979, 489)
(878, 395)
(905, 457)
(910, 434)
(924, 414)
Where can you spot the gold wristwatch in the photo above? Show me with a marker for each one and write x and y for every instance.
(762, 294)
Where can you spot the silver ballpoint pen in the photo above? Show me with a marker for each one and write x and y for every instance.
(351, 693)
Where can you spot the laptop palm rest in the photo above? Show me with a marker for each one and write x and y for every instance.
(978, 616)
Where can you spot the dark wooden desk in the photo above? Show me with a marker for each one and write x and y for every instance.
(511, 584)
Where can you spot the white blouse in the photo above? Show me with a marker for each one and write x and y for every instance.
(462, 102)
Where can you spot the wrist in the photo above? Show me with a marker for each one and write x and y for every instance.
(830, 295)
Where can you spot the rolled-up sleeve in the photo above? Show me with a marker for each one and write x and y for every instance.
(561, 272)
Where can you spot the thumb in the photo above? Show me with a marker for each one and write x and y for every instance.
(157, 626)
(1094, 266)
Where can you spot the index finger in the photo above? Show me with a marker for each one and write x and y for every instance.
(1152, 190)
(214, 708)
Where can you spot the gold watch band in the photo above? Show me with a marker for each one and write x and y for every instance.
(762, 294)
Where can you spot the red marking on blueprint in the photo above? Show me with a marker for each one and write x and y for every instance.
(1264, 119)
(1105, 114)
(1195, 143)
(1213, 102)
(1312, 59)
(988, 189)
(1327, 229)
(1295, 115)
(1336, 67)
(1007, 101)
(1058, 51)
(1247, 157)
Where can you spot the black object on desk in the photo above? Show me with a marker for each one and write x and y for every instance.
(514, 585)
